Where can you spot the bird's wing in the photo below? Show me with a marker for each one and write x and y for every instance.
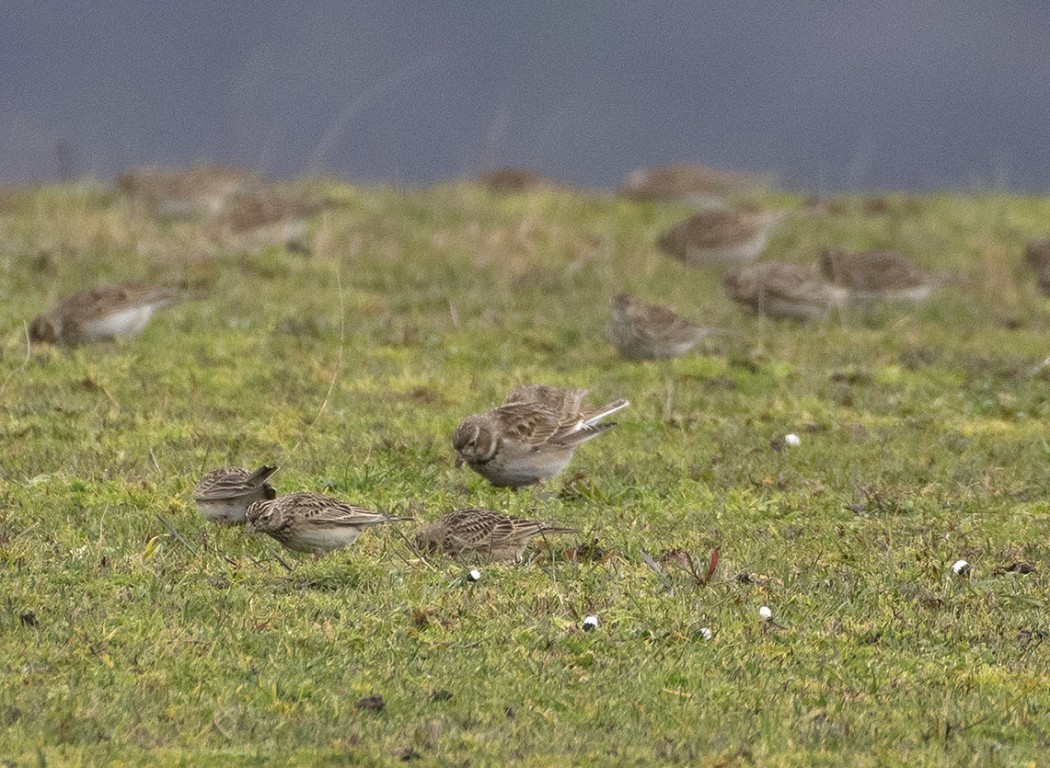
(530, 422)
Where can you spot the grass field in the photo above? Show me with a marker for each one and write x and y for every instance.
(924, 439)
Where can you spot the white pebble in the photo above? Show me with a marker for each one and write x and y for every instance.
(474, 574)
(591, 622)
(793, 440)
(960, 567)
(765, 614)
(706, 633)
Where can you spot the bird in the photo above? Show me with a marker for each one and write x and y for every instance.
(642, 331)
(778, 289)
(1037, 253)
(101, 313)
(224, 494)
(312, 522)
(720, 237)
(484, 535)
(266, 215)
(693, 184)
(1044, 280)
(531, 437)
(184, 192)
(877, 275)
(510, 180)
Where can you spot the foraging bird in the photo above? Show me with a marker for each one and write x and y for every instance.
(102, 313)
(514, 181)
(877, 275)
(777, 289)
(482, 534)
(184, 192)
(1044, 280)
(531, 437)
(695, 184)
(1037, 254)
(313, 522)
(642, 331)
(224, 494)
(720, 237)
(267, 215)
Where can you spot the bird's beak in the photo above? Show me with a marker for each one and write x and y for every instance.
(459, 461)
(251, 528)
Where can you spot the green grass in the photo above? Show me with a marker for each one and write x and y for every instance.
(924, 440)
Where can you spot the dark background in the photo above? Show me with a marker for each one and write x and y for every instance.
(888, 94)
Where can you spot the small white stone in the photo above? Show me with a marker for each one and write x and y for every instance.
(960, 568)
(765, 614)
(591, 622)
(793, 440)
(706, 633)
(474, 574)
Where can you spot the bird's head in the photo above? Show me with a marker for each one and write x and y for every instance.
(475, 440)
(263, 516)
(43, 329)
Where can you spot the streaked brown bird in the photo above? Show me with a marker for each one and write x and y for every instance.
(692, 184)
(643, 331)
(312, 522)
(531, 437)
(170, 192)
(483, 535)
(1037, 253)
(267, 215)
(720, 237)
(224, 494)
(510, 181)
(777, 289)
(1043, 281)
(877, 275)
(102, 313)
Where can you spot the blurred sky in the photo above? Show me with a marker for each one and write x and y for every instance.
(851, 94)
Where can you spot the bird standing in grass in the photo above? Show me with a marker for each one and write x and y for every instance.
(482, 534)
(224, 494)
(102, 313)
(531, 437)
(778, 289)
(642, 331)
(1037, 253)
(720, 237)
(267, 215)
(878, 275)
(184, 192)
(312, 522)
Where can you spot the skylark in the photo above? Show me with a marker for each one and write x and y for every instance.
(184, 192)
(514, 181)
(531, 437)
(877, 275)
(777, 289)
(224, 494)
(694, 184)
(267, 215)
(1043, 280)
(643, 331)
(1037, 253)
(313, 522)
(102, 313)
(483, 535)
(720, 237)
